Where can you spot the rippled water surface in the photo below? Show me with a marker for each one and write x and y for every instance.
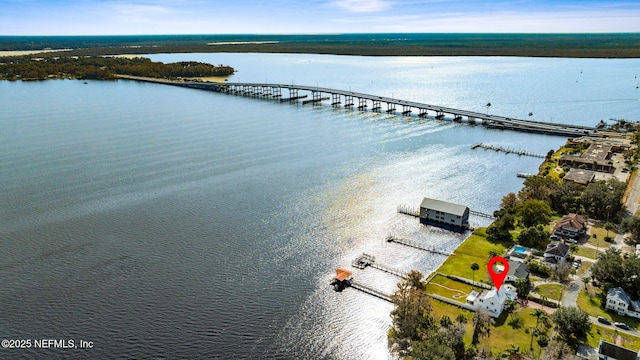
(159, 221)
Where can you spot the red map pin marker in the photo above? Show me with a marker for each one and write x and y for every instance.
(498, 278)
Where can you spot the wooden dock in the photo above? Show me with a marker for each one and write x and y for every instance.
(369, 290)
(365, 260)
(408, 210)
(506, 150)
(416, 245)
(481, 214)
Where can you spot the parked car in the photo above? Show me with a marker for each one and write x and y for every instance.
(572, 241)
(579, 261)
(622, 325)
(604, 320)
(554, 237)
(576, 265)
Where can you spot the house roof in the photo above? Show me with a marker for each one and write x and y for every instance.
(557, 249)
(444, 206)
(613, 351)
(518, 269)
(574, 221)
(618, 294)
(580, 176)
(342, 274)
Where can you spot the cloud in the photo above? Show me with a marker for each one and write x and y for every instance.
(362, 6)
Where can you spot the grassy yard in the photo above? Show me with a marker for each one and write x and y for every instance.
(452, 289)
(587, 252)
(474, 250)
(592, 307)
(610, 334)
(584, 267)
(598, 239)
(551, 291)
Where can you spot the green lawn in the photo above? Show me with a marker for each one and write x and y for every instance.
(584, 267)
(452, 289)
(474, 250)
(610, 334)
(586, 252)
(551, 291)
(598, 240)
(592, 307)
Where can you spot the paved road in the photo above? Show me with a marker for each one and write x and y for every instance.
(570, 297)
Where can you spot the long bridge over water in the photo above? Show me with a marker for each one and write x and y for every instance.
(361, 101)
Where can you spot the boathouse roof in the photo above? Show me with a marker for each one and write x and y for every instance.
(342, 274)
(444, 206)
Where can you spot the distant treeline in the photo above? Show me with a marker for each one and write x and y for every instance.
(28, 68)
(626, 45)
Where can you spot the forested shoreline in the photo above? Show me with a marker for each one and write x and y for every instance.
(102, 68)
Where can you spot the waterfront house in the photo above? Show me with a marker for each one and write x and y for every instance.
(609, 351)
(556, 254)
(439, 213)
(597, 158)
(570, 226)
(619, 301)
(493, 301)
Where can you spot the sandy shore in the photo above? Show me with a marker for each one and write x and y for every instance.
(29, 52)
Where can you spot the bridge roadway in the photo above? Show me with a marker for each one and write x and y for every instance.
(490, 121)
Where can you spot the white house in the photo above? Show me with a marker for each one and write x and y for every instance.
(619, 301)
(438, 212)
(492, 300)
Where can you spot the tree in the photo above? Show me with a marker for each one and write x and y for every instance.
(509, 201)
(632, 225)
(534, 237)
(603, 199)
(474, 267)
(610, 227)
(534, 212)
(571, 322)
(609, 268)
(562, 272)
(522, 287)
(411, 316)
(482, 322)
(541, 317)
(558, 350)
(414, 279)
(445, 321)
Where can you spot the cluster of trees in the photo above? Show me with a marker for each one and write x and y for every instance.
(599, 200)
(614, 270)
(417, 334)
(93, 67)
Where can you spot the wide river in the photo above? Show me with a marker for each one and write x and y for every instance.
(163, 222)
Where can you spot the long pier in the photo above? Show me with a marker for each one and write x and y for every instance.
(416, 245)
(365, 260)
(369, 290)
(340, 97)
(506, 150)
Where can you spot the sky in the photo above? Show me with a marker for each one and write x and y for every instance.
(116, 17)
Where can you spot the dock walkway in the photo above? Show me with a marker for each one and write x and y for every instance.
(365, 260)
(506, 150)
(416, 245)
